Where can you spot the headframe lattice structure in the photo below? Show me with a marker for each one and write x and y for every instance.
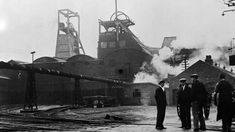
(68, 35)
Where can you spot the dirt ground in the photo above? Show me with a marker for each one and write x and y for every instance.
(118, 119)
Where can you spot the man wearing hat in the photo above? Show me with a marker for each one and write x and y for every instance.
(184, 102)
(160, 96)
(199, 98)
(223, 100)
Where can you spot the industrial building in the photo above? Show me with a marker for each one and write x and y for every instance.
(208, 72)
(120, 56)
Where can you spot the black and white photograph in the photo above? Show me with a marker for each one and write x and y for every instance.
(117, 65)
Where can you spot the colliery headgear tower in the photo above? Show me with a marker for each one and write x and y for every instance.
(68, 36)
(115, 33)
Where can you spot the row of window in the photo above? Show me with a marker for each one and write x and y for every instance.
(113, 44)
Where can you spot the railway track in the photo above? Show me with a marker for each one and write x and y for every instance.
(52, 111)
(44, 120)
(10, 120)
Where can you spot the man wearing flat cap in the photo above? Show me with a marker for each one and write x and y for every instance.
(184, 102)
(160, 96)
(199, 98)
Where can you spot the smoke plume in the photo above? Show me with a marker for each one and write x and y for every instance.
(157, 69)
(169, 59)
(217, 48)
(162, 68)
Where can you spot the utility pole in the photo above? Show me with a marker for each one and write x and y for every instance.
(116, 9)
(33, 52)
(185, 63)
(30, 102)
(232, 44)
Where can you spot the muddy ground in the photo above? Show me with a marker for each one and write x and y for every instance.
(118, 119)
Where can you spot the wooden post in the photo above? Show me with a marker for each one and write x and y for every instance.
(30, 93)
(77, 92)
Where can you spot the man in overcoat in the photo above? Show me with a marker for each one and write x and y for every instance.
(184, 102)
(223, 95)
(199, 99)
(160, 96)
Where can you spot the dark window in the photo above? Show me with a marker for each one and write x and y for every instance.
(119, 71)
(232, 60)
(136, 93)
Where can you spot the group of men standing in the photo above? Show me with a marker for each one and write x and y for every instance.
(196, 97)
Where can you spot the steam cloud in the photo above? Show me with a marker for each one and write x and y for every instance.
(217, 48)
(159, 69)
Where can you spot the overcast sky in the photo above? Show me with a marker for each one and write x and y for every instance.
(27, 25)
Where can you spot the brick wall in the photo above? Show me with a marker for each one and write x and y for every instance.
(146, 94)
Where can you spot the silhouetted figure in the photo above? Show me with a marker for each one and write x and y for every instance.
(207, 106)
(184, 102)
(199, 99)
(223, 100)
(160, 96)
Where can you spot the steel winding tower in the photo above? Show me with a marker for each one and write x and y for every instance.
(68, 37)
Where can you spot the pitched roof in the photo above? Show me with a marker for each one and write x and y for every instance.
(206, 65)
(225, 71)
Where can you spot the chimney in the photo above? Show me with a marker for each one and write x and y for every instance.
(209, 60)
